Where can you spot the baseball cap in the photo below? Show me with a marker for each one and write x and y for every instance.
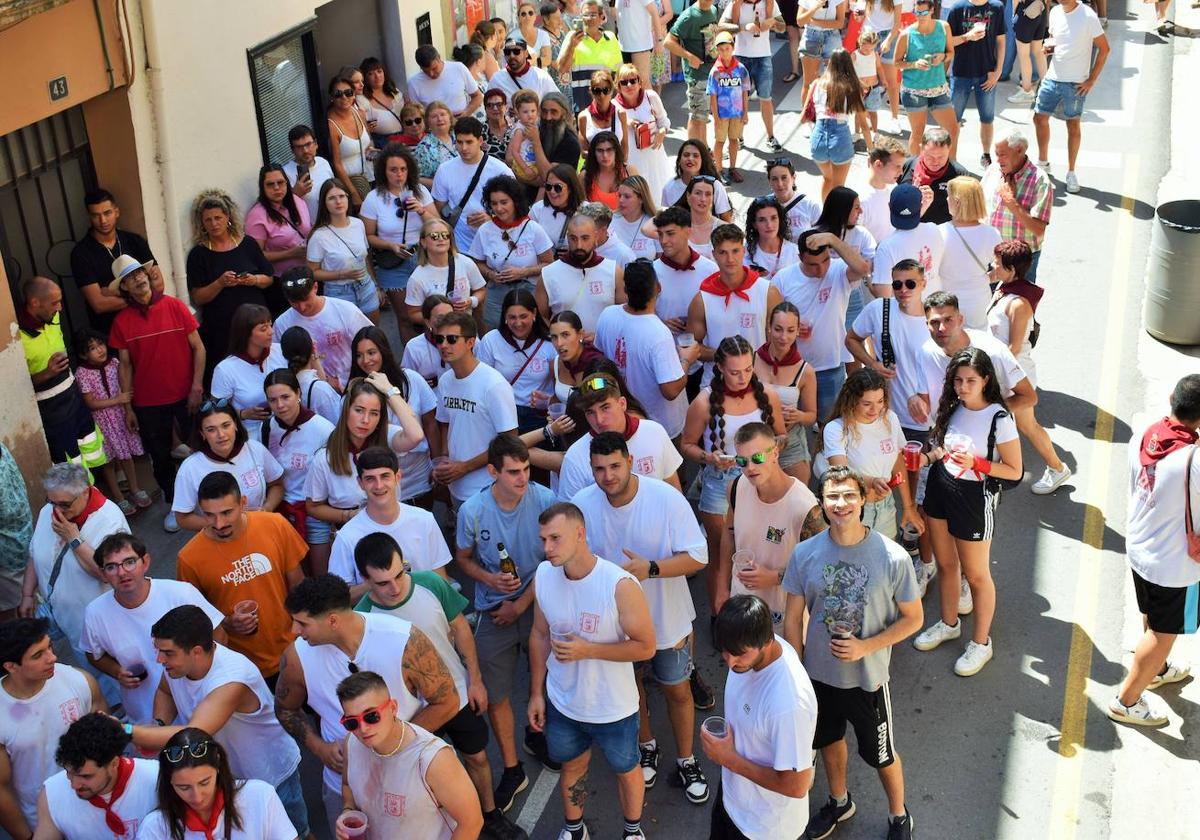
(516, 40)
(905, 206)
(723, 38)
(298, 281)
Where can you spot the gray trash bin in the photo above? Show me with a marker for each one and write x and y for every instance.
(1173, 274)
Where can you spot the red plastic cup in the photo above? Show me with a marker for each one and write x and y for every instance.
(353, 823)
(912, 456)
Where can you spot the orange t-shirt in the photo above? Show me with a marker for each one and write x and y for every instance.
(253, 566)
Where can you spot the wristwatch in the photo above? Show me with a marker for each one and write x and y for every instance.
(393, 392)
(653, 569)
(75, 543)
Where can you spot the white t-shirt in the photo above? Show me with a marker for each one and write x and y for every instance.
(822, 303)
(674, 189)
(908, 335)
(450, 183)
(340, 491)
(630, 234)
(241, 381)
(477, 407)
(773, 715)
(124, 634)
(553, 222)
(770, 263)
(1154, 538)
(421, 355)
(644, 350)
(79, 819)
(935, 362)
(871, 448)
(319, 396)
(657, 524)
(960, 272)
(977, 425)
(634, 28)
(405, 229)
(253, 467)
(535, 79)
(828, 9)
(415, 531)
(616, 250)
(650, 446)
(262, 813)
(454, 87)
(320, 171)
(923, 243)
(296, 451)
(746, 44)
(802, 213)
(429, 280)
(337, 249)
(1074, 33)
(332, 331)
(538, 375)
(526, 242)
(876, 217)
(678, 287)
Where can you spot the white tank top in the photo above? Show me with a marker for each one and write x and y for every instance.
(258, 746)
(733, 422)
(1000, 326)
(584, 291)
(78, 819)
(591, 129)
(561, 389)
(353, 152)
(590, 690)
(864, 65)
(739, 316)
(392, 791)
(381, 651)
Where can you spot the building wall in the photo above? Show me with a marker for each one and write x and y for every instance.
(20, 423)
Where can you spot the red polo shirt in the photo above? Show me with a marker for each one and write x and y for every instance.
(157, 341)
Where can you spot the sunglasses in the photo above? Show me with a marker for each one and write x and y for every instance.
(437, 236)
(214, 405)
(499, 104)
(528, 14)
(370, 716)
(128, 565)
(629, 82)
(440, 339)
(415, 121)
(897, 285)
(555, 188)
(596, 383)
(196, 750)
(756, 458)
(780, 161)
(704, 179)
(513, 50)
(296, 282)
(343, 94)
(602, 91)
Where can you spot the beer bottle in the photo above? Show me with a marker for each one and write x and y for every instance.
(507, 566)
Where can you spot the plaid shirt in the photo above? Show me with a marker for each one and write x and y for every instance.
(1034, 192)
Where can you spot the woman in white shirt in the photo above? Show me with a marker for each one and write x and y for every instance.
(698, 199)
(965, 269)
(316, 392)
(648, 126)
(564, 194)
(574, 356)
(383, 99)
(768, 244)
(421, 354)
(538, 41)
(521, 351)
(694, 159)
(441, 270)
(392, 215)
(635, 209)
(337, 251)
(510, 248)
(252, 355)
(960, 499)
(840, 216)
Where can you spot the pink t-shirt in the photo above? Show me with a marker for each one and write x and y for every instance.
(276, 236)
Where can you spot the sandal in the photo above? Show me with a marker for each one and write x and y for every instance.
(789, 78)
(142, 499)
(127, 507)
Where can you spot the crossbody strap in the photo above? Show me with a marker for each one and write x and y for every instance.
(450, 276)
(887, 353)
(57, 570)
(978, 262)
(1187, 499)
(537, 349)
(462, 202)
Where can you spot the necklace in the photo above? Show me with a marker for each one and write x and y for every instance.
(112, 254)
(403, 732)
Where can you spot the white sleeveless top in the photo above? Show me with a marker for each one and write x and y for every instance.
(561, 389)
(590, 690)
(590, 130)
(78, 819)
(864, 65)
(585, 291)
(381, 651)
(1000, 326)
(747, 318)
(733, 422)
(392, 790)
(631, 234)
(257, 744)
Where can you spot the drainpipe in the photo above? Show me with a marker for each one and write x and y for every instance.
(108, 68)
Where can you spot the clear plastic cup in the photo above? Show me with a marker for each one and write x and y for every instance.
(841, 629)
(353, 823)
(556, 410)
(561, 631)
(684, 339)
(912, 456)
(743, 560)
(716, 726)
(955, 442)
(248, 607)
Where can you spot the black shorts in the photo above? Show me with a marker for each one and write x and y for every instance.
(1027, 30)
(466, 731)
(1168, 609)
(869, 712)
(968, 508)
(787, 10)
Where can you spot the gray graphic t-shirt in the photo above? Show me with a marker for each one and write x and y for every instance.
(860, 584)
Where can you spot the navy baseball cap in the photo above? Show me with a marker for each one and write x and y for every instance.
(905, 206)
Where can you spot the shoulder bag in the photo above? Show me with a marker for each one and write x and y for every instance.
(44, 610)
(987, 270)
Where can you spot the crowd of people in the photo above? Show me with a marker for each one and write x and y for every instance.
(816, 405)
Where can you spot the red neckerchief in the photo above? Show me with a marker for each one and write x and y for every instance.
(517, 77)
(631, 426)
(1030, 291)
(95, 501)
(1163, 438)
(635, 105)
(792, 357)
(737, 395)
(593, 261)
(587, 355)
(607, 116)
(305, 415)
(144, 308)
(407, 139)
(727, 68)
(192, 821)
(259, 362)
(115, 824)
(926, 175)
(509, 225)
(693, 257)
(715, 286)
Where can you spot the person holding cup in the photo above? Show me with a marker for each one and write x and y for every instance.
(781, 368)
(337, 251)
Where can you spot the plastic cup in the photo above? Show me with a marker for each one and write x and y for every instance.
(841, 630)
(353, 823)
(561, 631)
(743, 560)
(910, 540)
(958, 443)
(247, 607)
(805, 331)
(556, 410)
(685, 339)
(138, 670)
(912, 456)
(715, 726)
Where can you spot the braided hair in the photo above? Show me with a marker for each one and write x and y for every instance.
(734, 345)
(979, 362)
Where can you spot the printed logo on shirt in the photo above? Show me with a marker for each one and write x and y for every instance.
(299, 461)
(774, 534)
(748, 320)
(249, 480)
(393, 804)
(537, 365)
(925, 257)
(621, 355)
(644, 466)
(589, 622)
(459, 404)
(886, 446)
(247, 569)
(485, 534)
(70, 711)
(595, 287)
(131, 827)
(333, 339)
(823, 294)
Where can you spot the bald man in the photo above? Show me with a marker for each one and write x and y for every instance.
(70, 431)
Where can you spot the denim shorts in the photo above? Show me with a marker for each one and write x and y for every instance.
(670, 666)
(291, 794)
(567, 739)
(1053, 95)
(831, 142)
(916, 102)
(876, 98)
(359, 292)
(761, 73)
(713, 484)
(961, 88)
(396, 279)
(317, 532)
(820, 43)
(795, 448)
(829, 383)
(881, 516)
(888, 56)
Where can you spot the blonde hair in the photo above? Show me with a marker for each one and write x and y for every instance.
(430, 224)
(524, 95)
(867, 35)
(436, 105)
(628, 70)
(965, 197)
(215, 199)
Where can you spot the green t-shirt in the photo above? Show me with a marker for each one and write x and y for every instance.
(452, 602)
(689, 30)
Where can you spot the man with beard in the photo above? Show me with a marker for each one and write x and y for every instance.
(556, 131)
(519, 72)
(607, 246)
(583, 281)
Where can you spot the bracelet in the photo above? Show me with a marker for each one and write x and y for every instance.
(128, 729)
(982, 465)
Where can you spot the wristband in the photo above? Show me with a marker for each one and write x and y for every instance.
(982, 465)
(128, 729)
(896, 480)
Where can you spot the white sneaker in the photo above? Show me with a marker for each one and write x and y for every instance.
(926, 572)
(965, 604)
(1072, 182)
(1141, 713)
(566, 835)
(935, 634)
(973, 659)
(1050, 480)
(169, 524)
(1174, 673)
(1044, 165)
(1022, 96)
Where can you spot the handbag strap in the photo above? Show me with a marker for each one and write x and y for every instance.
(528, 359)
(54, 573)
(887, 353)
(450, 275)
(992, 432)
(979, 263)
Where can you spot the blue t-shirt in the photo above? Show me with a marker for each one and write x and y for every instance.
(729, 87)
(975, 59)
(482, 524)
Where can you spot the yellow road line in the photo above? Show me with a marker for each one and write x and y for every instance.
(1064, 805)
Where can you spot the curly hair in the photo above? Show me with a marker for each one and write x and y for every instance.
(734, 345)
(979, 362)
(769, 202)
(94, 737)
(856, 385)
(215, 199)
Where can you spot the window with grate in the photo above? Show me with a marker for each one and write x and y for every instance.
(284, 76)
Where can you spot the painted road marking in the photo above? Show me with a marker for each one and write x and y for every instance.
(1064, 812)
(536, 801)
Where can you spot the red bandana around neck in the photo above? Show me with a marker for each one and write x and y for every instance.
(591, 262)
(587, 355)
(1163, 438)
(144, 308)
(922, 174)
(715, 286)
(727, 68)
(192, 821)
(258, 360)
(792, 357)
(115, 824)
(641, 98)
(305, 415)
(509, 225)
(631, 426)
(1031, 292)
(603, 117)
(693, 257)
(737, 395)
(96, 499)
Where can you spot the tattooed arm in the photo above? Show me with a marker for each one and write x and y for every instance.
(428, 678)
(291, 693)
(814, 524)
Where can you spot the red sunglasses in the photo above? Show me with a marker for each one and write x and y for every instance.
(370, 716)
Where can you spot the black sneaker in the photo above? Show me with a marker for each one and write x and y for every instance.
(702, 695)
(649, 762)
(827, 819)
(901, 829)
(512, 782)
(498, 827)
(535, 745)
(985, 160)
(691, 778)
(773, 144)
